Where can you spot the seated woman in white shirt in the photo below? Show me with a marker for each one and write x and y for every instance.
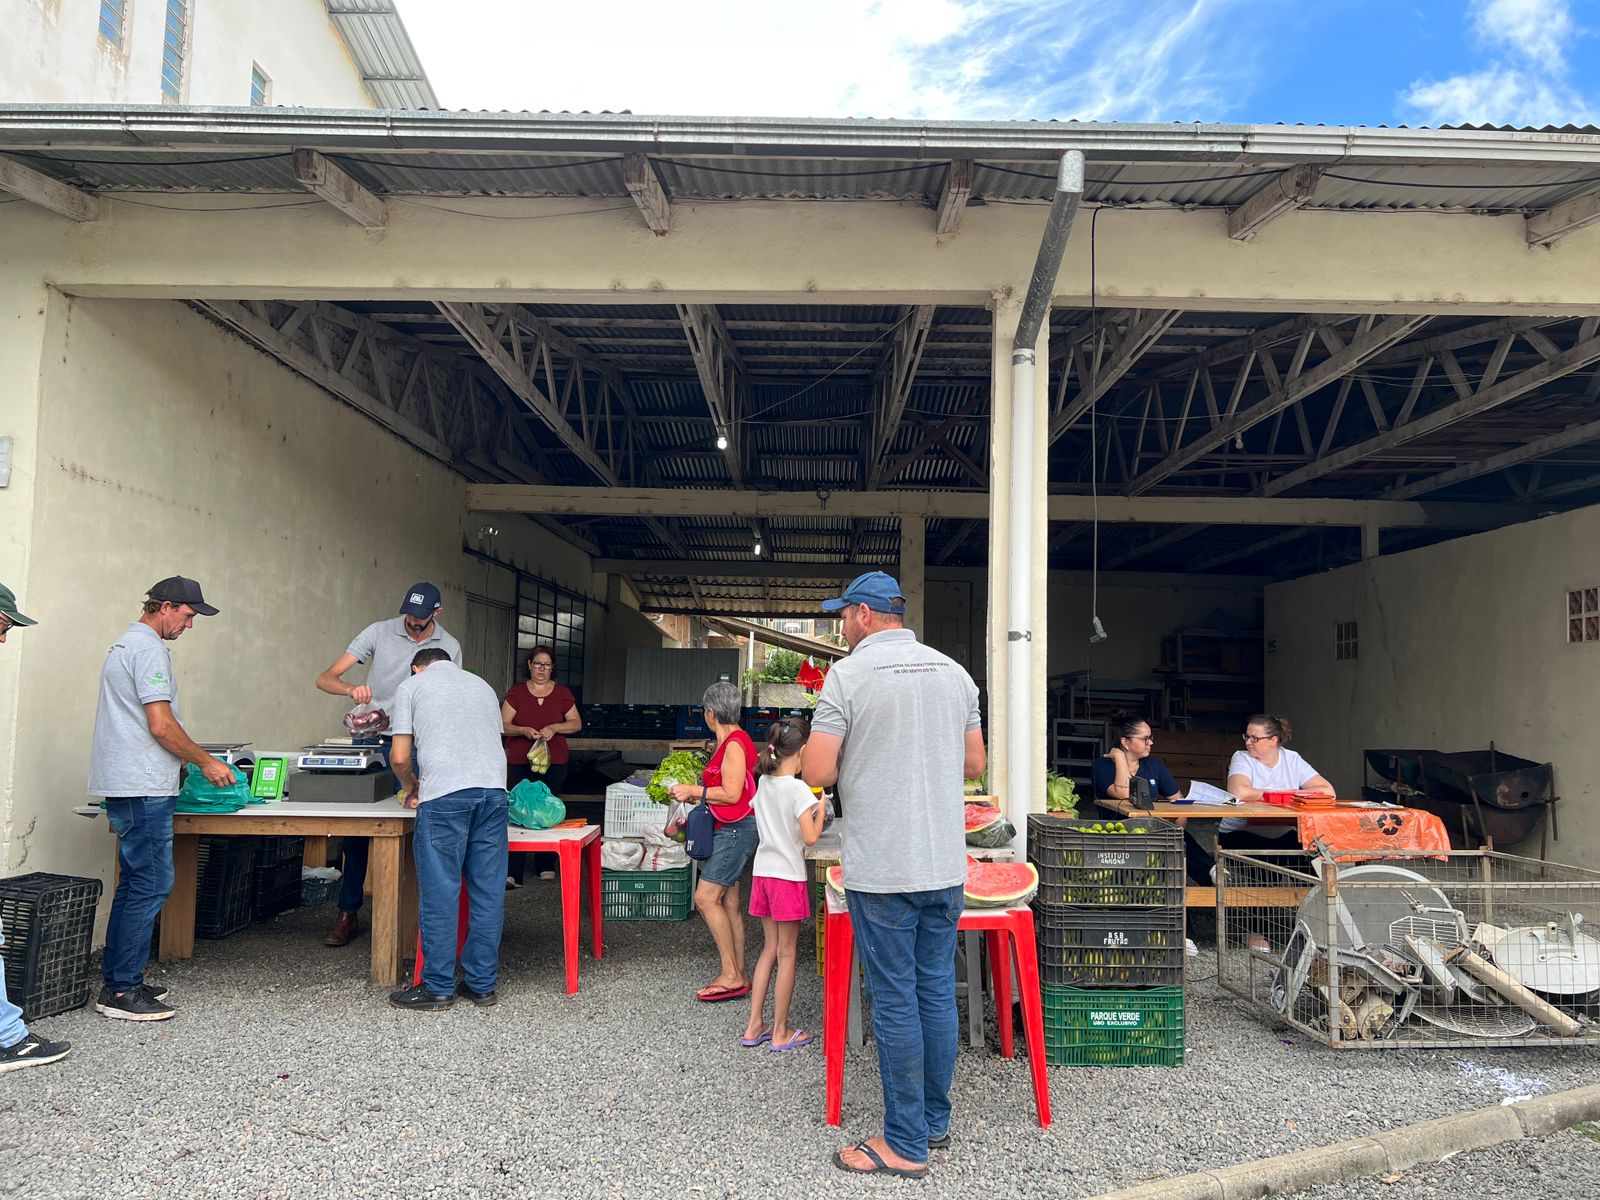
(1265, 764)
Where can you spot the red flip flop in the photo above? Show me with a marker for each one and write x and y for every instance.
(716, 995)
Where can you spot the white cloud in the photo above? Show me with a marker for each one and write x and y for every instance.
(948, 59)
(1526, 83)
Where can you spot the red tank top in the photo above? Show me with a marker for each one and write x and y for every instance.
(727, 814)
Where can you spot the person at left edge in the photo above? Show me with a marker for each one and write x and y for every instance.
(138, 750)
(451, 721)
(387, 647)
(18, 1047)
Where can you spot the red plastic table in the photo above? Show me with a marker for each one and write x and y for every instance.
(571, 847)
(1008, 932)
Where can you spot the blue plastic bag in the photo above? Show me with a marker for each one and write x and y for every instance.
(534, 806)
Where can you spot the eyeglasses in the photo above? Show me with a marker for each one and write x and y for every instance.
(542, 666)
(1141, 737)
(1250, 739)
(8, 626)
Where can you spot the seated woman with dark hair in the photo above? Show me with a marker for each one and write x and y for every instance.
(1129, 759)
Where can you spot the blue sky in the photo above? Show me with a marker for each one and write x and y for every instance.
(1366, 62)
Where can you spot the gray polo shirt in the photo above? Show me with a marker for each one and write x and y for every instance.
(387, 649)
(454, 721)
(124, 759)
(903, 710)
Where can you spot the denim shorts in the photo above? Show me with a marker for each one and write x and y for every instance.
(733, 848)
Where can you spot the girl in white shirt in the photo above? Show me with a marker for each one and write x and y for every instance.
(789, 817)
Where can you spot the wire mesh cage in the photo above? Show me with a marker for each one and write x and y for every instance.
(1414, 950)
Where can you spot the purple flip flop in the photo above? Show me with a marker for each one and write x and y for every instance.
(761, 1039)
(794, 1043)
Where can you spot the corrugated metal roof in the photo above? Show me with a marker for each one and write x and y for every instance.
(388, 62)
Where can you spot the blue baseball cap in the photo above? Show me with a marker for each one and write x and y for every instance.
(878, 591)
(422, 600)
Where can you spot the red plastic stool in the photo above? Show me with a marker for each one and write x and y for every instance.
(999, 926)
(463, 910)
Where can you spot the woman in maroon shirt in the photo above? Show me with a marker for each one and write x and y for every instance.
(539, 708)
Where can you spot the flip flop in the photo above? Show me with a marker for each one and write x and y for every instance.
(760, 1039)
(796, 1040)
(716, 995)
(881, 1167)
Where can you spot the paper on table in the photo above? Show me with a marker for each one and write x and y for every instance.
(1205, 793)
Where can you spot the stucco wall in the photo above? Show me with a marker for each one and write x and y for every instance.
(52, 53)
(1460, 644)
(166, 445)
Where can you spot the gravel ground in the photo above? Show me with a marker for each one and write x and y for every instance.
(287, 1075)
(1564, 1166)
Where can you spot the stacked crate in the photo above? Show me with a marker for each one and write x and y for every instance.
(275, 887)
(640, 895)
(1109, 919)
(48, 922)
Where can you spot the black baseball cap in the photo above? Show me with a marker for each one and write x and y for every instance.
(179, 590)
(422, 600)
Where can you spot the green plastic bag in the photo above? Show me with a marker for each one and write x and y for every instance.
(198, 795)
(534, 806)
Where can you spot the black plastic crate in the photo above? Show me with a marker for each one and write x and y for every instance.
(49, 930)
(223, 901)
(271, 851)
(275, 889)
(1109, 947)
(1142, 868)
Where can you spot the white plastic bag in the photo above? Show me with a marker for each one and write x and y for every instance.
(620, 854)
(664, 858)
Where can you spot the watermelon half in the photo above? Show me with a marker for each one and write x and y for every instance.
(987, 827)
(1000, 884)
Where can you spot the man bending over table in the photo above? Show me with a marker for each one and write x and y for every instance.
(452, 720)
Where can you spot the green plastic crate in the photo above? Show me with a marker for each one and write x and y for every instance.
(1104, 1027)
(646, 895)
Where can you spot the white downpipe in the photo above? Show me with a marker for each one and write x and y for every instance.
(1022, 785)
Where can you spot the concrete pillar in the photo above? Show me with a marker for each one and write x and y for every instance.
(1007, 308)
(914, 571)
(1369, 541)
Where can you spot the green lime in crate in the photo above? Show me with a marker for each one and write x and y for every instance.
(646, 895)
(1103, 1027)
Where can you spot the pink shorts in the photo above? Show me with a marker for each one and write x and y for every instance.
(780, 899)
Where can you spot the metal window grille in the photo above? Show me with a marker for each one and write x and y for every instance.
(552, 616)
(1346, 642)
(1583, 615)
(112, 15)
(173, 44)
(260, 87)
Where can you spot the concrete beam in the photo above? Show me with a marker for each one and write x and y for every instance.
(1284, 194)
(331, 182)
(826, 575)
(38, 188)
(1159, 510)
(1550, 226)
(953, 200)
(644, 185)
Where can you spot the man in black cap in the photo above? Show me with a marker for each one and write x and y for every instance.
(18, 1047)
(387, 647)
(138, 751)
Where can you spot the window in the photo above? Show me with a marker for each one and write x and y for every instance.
(1583, 615)
(113, 14)
(260, 87)
(551, 616)
(794, 626)
(173, 43)
(1345, 644)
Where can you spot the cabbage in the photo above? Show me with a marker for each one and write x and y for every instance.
(1060, 796)
(681, 766)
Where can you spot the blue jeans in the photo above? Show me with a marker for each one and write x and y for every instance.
(353, 883)
(907, 943)
(143, 825)
(12, 1030)
(460, 841)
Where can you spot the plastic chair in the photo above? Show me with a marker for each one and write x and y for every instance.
(1009, 934)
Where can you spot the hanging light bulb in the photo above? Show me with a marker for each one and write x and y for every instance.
(758, 549)
(722, 442)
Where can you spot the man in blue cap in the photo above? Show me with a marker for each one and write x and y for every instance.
(387, 647)
(897, 728)
(18, 1047)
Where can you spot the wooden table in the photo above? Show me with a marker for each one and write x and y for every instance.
(389, 868)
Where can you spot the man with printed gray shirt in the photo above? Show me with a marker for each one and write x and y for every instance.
(452, 721)
(135, 760)
(387, 647)
(897, 728)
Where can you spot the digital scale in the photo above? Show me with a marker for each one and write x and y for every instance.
(343, 757)
(344, 771)
(232, 753)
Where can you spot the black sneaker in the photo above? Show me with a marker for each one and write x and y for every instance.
(135, 1005)
(420, 999)
(32, 1051)
(156, 991)
(481, 999)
